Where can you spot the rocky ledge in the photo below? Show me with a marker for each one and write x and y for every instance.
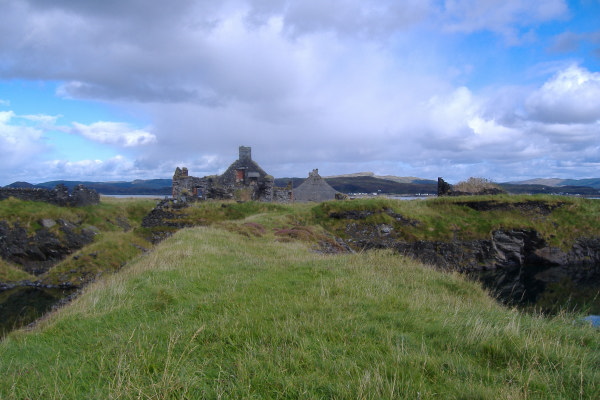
(516, 265)
(165, 219)
(37, 252)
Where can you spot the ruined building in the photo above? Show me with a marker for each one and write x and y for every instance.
(243, 180)
(60, 196)
(314, 188)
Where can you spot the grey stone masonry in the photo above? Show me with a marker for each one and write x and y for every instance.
(81, 196)
(243, 180)
(314, 188)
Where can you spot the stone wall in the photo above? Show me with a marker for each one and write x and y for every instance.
(81, 196)
(188, 186)
(282, 195)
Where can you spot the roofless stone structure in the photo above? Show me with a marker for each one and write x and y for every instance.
(246, 180)
(314, 188)
(243, 180)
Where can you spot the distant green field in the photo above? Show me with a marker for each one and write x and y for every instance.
(244, 309)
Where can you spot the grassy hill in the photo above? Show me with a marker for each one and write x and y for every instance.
(245, 309)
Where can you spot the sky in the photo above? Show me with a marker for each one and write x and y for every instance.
(118, 90)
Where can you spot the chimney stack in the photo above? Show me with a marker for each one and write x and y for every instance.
(245, 153)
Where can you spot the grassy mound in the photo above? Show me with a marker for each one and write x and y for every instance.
(218, 312)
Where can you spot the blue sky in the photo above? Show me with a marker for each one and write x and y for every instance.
(131, 89)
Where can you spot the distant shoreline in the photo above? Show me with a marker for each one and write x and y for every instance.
(136, 196)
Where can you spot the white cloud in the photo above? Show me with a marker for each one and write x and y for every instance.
(16, 136)
(48, 121)
(26, 148)
(113, 169)
(341, 84)
(117, 133)
(375, 18)
(212, 52)
(458, 128)
(108, 169)
(19, 143)
(6, 116)
(571, 96)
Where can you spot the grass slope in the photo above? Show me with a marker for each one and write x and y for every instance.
(11, 273)
(212, 313)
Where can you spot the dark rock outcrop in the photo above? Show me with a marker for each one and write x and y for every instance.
(39, 251)
(530, 206)
(516, 265)
(165, 219)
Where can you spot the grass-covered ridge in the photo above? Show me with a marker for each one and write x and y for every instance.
(212, 313)
(106, 216)
(560, 220)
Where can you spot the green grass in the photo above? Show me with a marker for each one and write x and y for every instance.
(448, 218)
(11, 273)
(213, 313)
(210, 212)
(107, 254)
(109, 215)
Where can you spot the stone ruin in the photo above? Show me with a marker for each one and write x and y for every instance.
(60, 196)
(443, 187)
(314, 188)
(243, 180)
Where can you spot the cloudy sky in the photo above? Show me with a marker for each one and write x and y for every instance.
(130, 89)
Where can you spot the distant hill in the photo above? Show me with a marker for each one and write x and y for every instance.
(159, 187)
(539, 181)
(361, 182)
(557, 182)
(591, 182)
(399, 179)
(20, 185)
(368, 183)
